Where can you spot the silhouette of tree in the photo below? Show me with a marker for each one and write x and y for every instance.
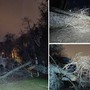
(34, 41)
(43, 26)
(9, 43)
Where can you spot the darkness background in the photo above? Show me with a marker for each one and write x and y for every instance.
(70, 4)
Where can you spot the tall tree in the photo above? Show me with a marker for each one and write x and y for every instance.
(43, 26)
(36, 38)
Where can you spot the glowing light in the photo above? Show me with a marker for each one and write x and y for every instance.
(16, 56)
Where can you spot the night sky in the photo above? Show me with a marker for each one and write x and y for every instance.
(71, 50)
(12, 12)
(70, 4)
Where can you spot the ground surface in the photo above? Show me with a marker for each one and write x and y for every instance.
(30, 84)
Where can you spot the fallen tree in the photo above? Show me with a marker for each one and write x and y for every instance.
(79, 19)
(16, 69)
(38, 68)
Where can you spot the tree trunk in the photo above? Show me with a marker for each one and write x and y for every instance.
(9, 73)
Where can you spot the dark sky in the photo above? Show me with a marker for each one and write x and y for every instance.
(71, 50)
(12, 12)
(70, 4)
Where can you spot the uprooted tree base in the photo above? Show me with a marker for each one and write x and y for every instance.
(70, 26)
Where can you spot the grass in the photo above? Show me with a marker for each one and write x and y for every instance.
(31, 84)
